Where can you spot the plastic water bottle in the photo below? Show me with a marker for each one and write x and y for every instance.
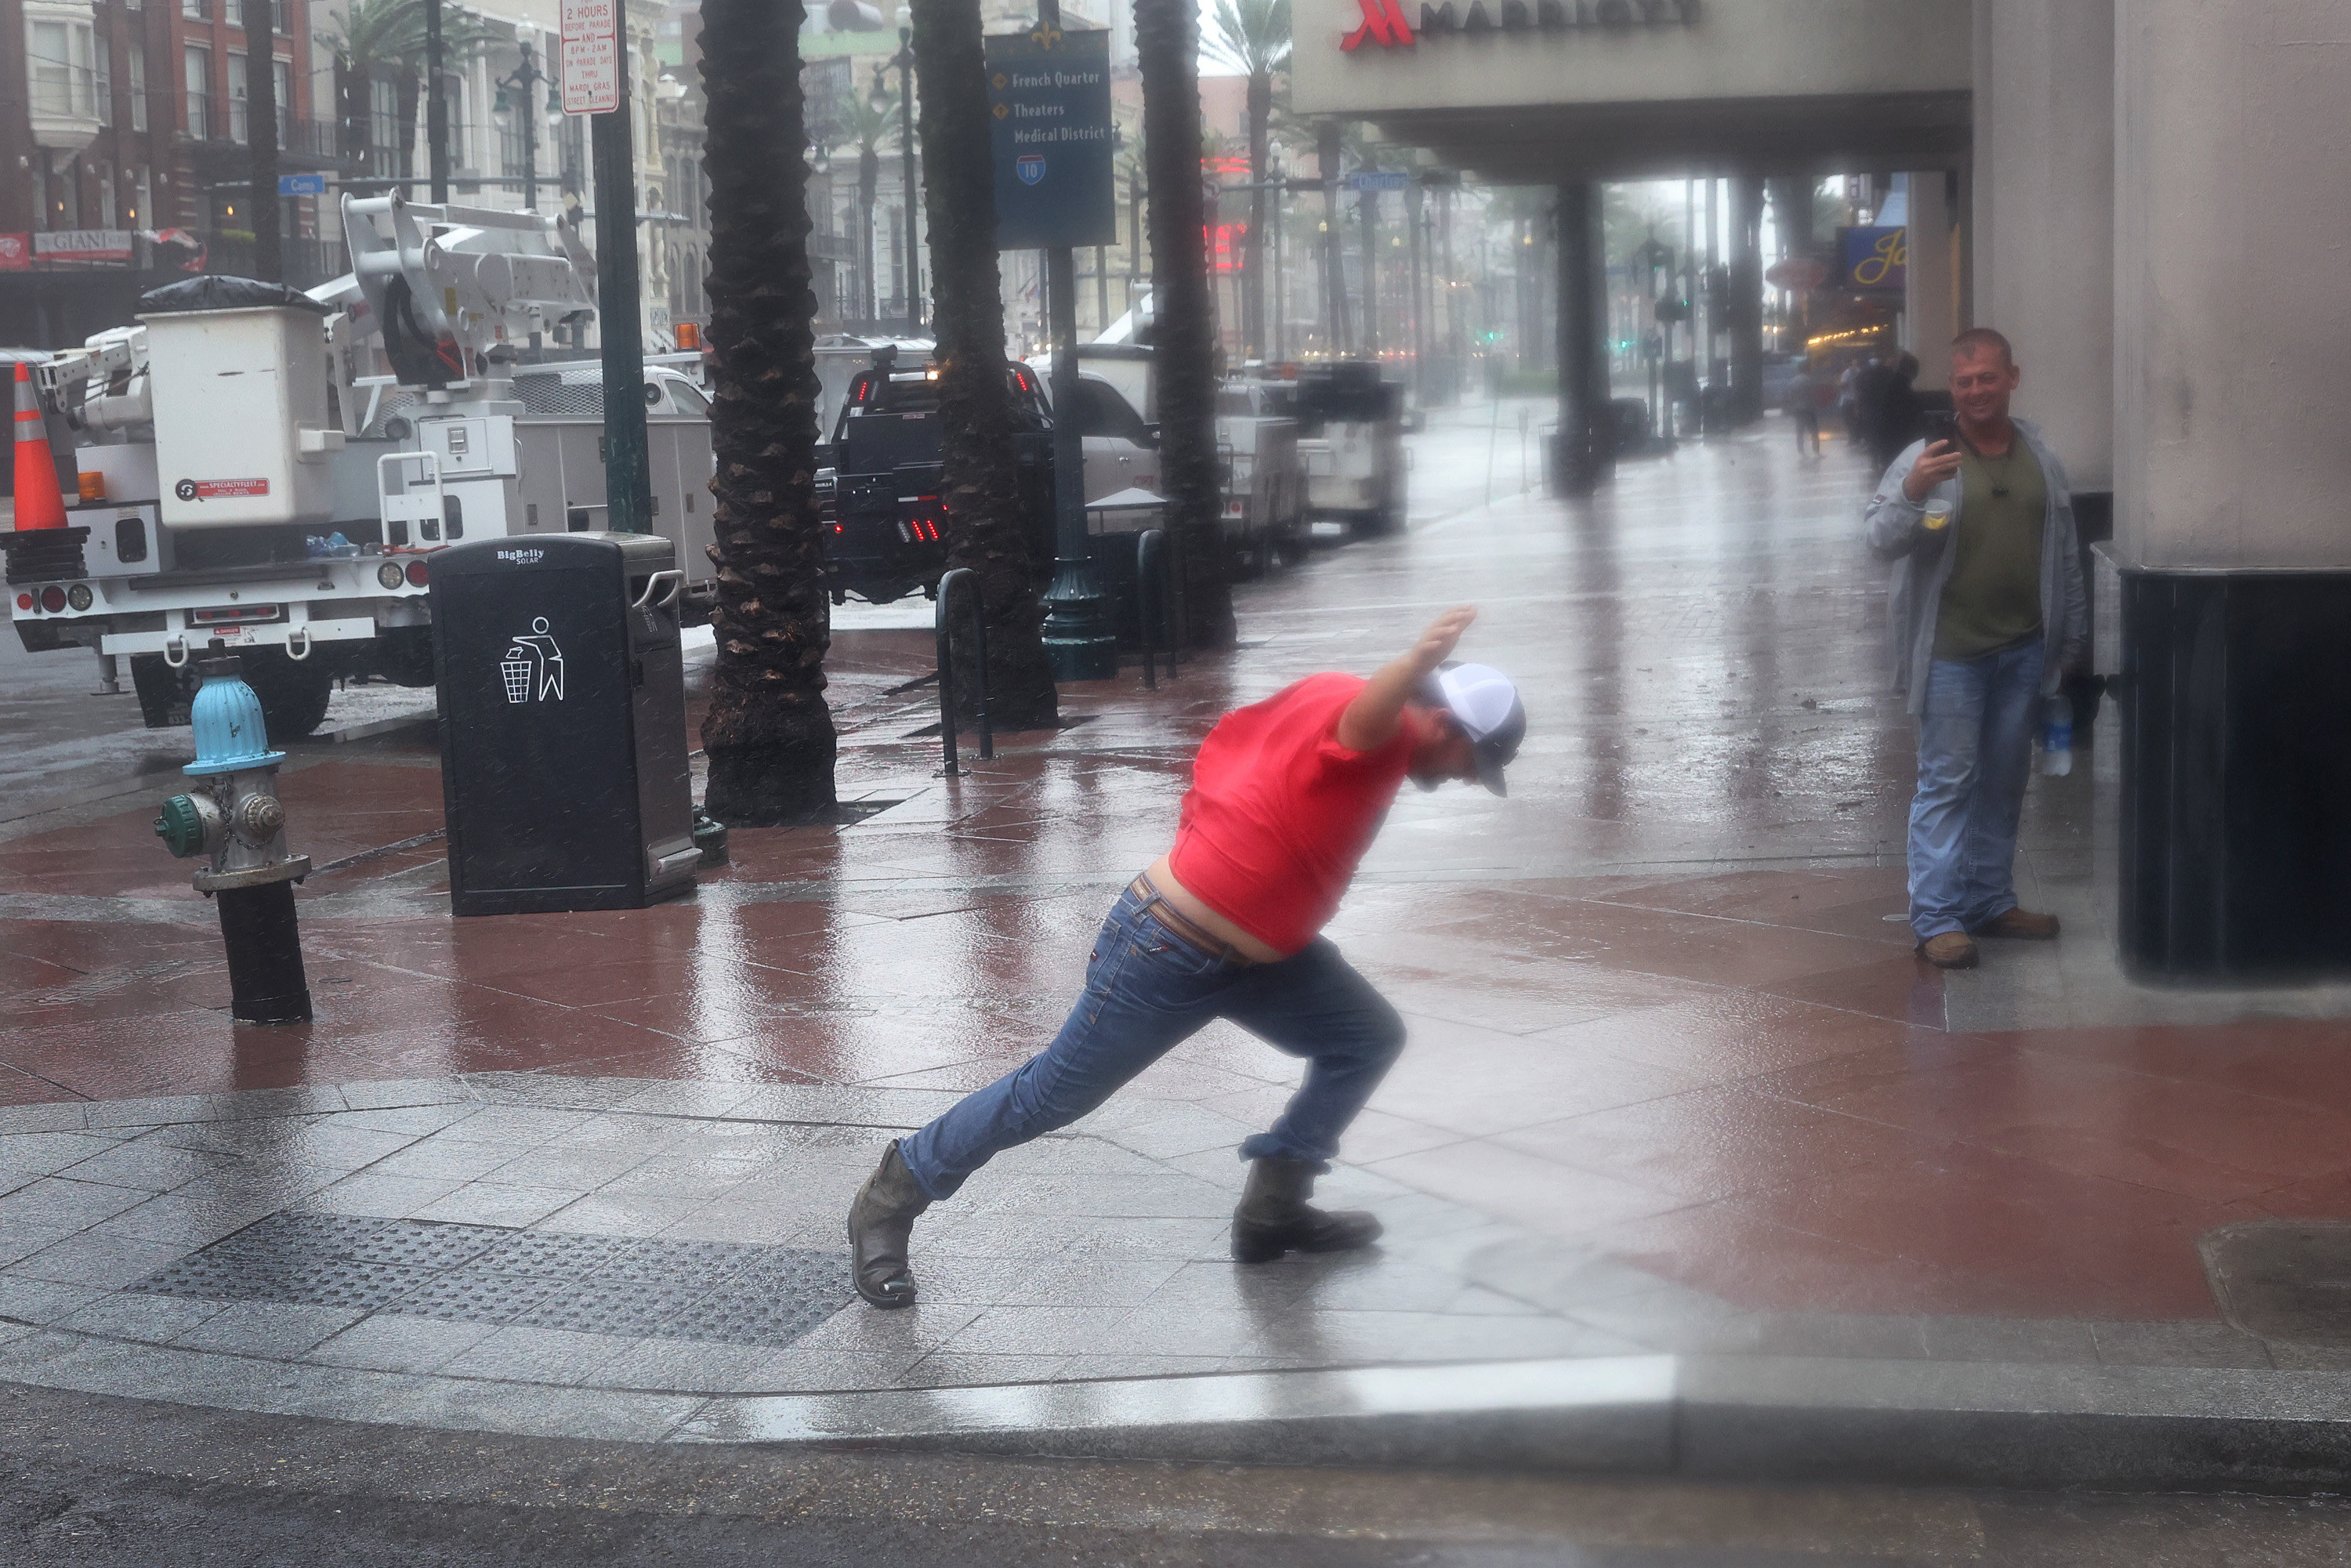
(2057, 736)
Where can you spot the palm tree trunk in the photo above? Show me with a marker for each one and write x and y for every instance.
(869, 183)
(769, 733)
(1261, 116)
(261, 140)
(1167, 46)
(988, 532)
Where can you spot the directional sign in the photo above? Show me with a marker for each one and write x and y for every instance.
(301, 185)
(1048, 96)
(592, 56)
(1378, 179)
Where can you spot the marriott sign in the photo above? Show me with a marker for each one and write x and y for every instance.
(1384, 21)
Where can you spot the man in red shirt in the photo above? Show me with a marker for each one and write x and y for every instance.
(1286, 797)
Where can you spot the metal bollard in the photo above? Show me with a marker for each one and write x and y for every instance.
(1155, 612)
(961, 584)
(233, 817)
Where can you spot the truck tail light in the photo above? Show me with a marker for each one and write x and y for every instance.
(53, 599)
(23, 601)
(390, 576)
(79, 596)
(419, 574)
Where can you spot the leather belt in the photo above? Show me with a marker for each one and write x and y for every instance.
(1188, 931)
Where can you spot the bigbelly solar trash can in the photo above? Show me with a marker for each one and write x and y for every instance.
(563, 756)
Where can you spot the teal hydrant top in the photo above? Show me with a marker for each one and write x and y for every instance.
(230, 733)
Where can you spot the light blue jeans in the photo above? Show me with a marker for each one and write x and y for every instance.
(1147, 989)
(1975, 752)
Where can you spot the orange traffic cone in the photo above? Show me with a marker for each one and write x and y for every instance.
(39, 503)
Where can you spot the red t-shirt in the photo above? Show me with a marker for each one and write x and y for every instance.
(1279, 812)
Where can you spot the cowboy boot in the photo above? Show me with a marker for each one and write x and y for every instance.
(1274, 1217)
(880, 1221)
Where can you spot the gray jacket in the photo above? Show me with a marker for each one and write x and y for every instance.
(1897, 533)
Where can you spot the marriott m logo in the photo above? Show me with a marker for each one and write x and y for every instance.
(1384, 20)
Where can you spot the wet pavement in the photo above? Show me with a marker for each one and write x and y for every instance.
(1675, 1082)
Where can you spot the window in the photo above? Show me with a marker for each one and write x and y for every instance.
(61, 68)
(383, 126)
(198, 63)
(193, 10)
(692, 282)
(106, 196)
(138, 85)
(103, 59)
(139, 216)
(134, 5)
(238, 129)
(281, 75)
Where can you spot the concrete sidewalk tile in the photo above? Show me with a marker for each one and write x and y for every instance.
(20, 1119)
(516, 1128)
(2010, 1340)
(151, 1166)
(276, 1330)
(437, 1157)
(802, 1368)
(387, 1343)
(157, 1319)
(487, 1203)
(581, 1170)
(29, 1156)
(33, 1300)
(684, 1367)
(61, 1202)
(2178, 1345)
(686, 1099)
(1041, 1330)
(370, 1195)
(944, 1369)
(192, 1222)
(1086, 1368)
(596, 1214)
(392, 1096)
(1149, 1329)
(910, 1332)
(1859, 1335)
(536, 1355)
(101, 1261)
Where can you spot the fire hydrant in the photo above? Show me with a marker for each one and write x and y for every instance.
(233, 817)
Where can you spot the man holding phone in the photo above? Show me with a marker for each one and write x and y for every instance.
(1987, 609)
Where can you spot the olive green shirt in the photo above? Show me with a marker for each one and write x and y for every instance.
(1991, 602)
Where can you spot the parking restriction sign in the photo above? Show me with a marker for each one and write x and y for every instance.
(592, 56)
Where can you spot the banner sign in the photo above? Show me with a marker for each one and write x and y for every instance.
(1048, 96)
(1384, 21)
(1873, 257)
(592, 56)
(16, 252)
(103, 246)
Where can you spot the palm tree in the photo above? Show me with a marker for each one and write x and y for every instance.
(1166, 46)
(769, 733)
(988, 533)
(1254, 35)
(386, 39)
(865, 127)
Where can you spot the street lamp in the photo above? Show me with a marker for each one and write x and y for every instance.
(904, 63)
(520, 82)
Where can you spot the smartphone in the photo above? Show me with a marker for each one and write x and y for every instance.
(1942, 424)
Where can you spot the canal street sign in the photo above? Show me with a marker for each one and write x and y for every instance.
(592, 56)
(1378, 179)
(1049, 97)
(301, 185)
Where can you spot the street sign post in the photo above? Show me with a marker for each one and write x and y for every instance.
(592, 56)
(301, 185)
(1049, 94)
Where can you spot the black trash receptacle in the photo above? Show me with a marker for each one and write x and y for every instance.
(563, 755)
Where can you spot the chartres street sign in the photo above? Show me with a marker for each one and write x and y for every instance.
(592, 56)
(1385, 25)
(1048, 101)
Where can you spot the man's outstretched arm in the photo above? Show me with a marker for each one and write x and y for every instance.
(1371, 720)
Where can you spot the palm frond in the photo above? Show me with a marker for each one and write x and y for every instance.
(1251, 36)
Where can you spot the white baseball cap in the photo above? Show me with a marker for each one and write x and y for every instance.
(1486, 704)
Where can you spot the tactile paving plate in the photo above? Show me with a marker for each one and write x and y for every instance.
(726, 1292)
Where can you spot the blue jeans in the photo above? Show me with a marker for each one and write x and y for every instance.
(1148, 989)
(1975, 751)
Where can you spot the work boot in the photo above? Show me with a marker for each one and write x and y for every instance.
(880, 1221)
(1274, 1217)
(1949, 950)
(2020, 925)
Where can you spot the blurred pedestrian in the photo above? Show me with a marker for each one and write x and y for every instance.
(1886, 404)
(1804, 406)
(1286, 796)
(1848, 397)
(1987, 611)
